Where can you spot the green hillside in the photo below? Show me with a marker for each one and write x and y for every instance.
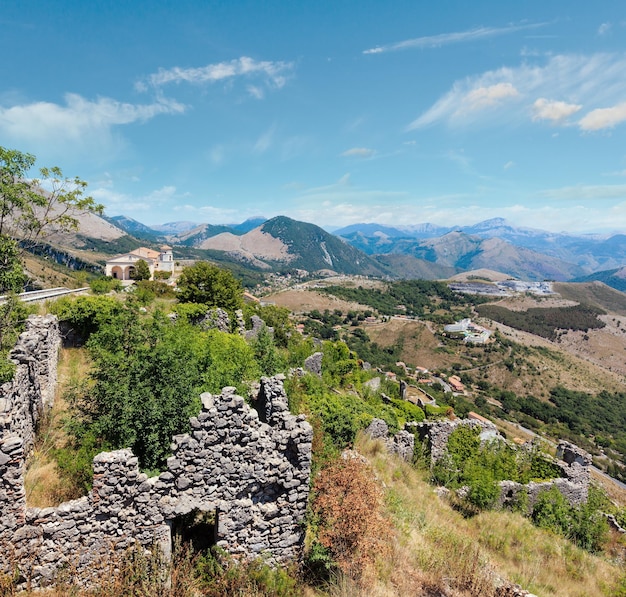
(315, 249)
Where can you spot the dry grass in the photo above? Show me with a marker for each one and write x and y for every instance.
(303, 301)
(439, 550)
(43, 484)
(51, 274)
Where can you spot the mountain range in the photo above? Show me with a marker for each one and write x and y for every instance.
(423, 250)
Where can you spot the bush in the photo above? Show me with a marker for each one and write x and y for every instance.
(85, 314)
(348, 520)
(407, 410)
(584, 525)
(160, 289)
(104, 285)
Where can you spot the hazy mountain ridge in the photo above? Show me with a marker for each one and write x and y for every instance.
(421, 250)
(590, 252)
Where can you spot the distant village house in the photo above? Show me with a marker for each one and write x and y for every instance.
(122, 267)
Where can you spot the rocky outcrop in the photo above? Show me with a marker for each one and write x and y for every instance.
(313, 364)
(215, 319)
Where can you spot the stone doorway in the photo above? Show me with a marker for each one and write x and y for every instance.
(196, 530)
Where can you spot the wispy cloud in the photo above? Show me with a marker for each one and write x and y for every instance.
(212, 213)
(484, 97)
(116, 202)
(553, 91)
(79, 121)
(358, 152)
(265, 141)
(545, 109)
(604, 28)
(444, 39)
(274, 74)
(586, 192)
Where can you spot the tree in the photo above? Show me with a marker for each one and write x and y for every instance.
(140, 394)
(209, 285)
(141, 271)
(32, 208)
(27, 214)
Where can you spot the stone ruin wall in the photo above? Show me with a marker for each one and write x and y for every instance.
(573, 462)
(24, 398)
(249, 467)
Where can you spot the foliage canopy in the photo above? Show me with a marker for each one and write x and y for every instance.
(210, 285)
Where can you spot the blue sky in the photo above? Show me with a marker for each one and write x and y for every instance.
(330, 112)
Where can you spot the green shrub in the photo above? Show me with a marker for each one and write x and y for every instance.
(584, 525)
(105, 284)
(156, 287)
(433, 411)
(407, 410)
(190, 312)
(85, 314)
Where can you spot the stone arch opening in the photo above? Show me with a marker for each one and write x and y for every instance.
(117, 272)
(196, 530)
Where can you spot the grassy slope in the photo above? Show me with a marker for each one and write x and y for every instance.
(436, 543)
(594, 293)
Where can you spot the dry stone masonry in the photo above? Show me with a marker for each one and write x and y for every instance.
(573, 462)
(24, 398)
(401, 444)
(248, 468)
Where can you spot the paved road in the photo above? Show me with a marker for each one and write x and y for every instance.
(48, 293)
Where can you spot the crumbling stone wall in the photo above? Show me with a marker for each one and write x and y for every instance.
(573, 462)
(437, 433)
(402, 443)
(250, 468)
(24, 398)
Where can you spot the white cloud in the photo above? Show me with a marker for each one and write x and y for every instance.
(586, 192)
(78, 120)
(214, 214)
(485, 97)
(604, 118)
(595, 80)
(122, 203)
(444, 39)
(274, 73)
(216, 155)
(444, 211)
(508, 165)
(604, 28)
(358, 152)
(545, 109)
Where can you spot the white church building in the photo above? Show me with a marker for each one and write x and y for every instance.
(122, 267)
